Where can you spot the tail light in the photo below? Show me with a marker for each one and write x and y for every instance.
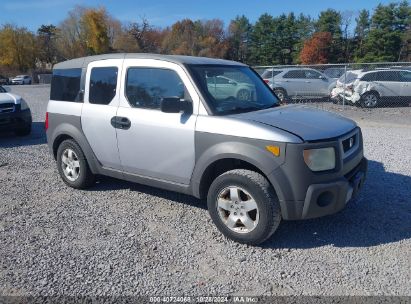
(46, 122)
(266, 80)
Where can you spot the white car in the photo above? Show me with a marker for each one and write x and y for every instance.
(21, 79)
(224, 87)
(371, 88)
(299, 83)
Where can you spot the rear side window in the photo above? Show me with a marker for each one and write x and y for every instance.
(405, 76)
(369, 77)
(103, 84)
(145, 87)
(295, 74)
(65, 85)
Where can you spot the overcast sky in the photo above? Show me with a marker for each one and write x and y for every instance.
(33, 13)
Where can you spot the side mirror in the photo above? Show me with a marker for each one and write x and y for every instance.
(174, 105)
(322, 77)
(232, 83)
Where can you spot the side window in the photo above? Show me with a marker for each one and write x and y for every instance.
(312, 74)
(295, 74)
(145, 87)
(388, 76)
(103, 83)
(369, 77)
(405, 76)
(65, 85)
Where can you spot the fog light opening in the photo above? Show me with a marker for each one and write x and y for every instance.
(325, 198)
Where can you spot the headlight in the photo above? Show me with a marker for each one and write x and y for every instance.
(23, 105)
(320, 159)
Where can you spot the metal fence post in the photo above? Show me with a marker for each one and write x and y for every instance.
(345, 85)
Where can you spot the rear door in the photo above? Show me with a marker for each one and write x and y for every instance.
(405, 78)
(389, 84)
(295, 83)
(317, 83)
(155, 144)
(101, 100)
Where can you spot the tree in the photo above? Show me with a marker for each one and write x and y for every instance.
(317, 49)
(239, 32)
(389, 24)
(263, 46)
(330, 21)
(17, 48)
(361, 32)
(46, 44)
(94, 26)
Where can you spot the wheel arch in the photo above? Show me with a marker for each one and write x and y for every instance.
(225, 157)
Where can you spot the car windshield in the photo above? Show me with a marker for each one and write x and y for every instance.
(348, 77)
(232, 89)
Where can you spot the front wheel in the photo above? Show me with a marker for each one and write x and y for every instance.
(72, 165)
(243, 206)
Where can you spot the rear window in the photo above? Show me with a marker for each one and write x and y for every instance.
(65, 85)
(348, 77)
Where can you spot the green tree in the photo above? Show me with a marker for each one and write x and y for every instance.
(361, 32)
(239, 32)
(263, 46)
(331, 21)
(389, 25)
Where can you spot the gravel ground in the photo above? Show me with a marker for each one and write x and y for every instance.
(120, 238)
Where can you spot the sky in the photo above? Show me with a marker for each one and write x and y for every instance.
(162, 13)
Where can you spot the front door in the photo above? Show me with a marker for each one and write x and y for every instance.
(156, 144)
(101, 99)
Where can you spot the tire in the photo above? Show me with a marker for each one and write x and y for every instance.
(24, 131)
(370, 100)
(281, 94)
(81, 176)
(243, 95)
(236, 190)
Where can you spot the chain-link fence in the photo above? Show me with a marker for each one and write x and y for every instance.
(367, 85)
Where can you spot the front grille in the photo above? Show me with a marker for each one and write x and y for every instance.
(350, 143)
(7, 107)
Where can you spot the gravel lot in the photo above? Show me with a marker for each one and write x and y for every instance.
(120, 238)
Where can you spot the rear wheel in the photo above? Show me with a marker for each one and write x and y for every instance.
(243, 206)
(72, 165)
(369, 100)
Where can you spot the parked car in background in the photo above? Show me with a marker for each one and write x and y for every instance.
(21, 79)
(300, 83)
(15, 114)
(224, 87)
(268, 74)
(371, 88)
(4, 80)
(334, 73)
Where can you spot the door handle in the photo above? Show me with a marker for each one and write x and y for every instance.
(307, 81)
(119, 122)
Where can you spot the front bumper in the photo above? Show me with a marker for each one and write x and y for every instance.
(305, 194)
(329, 198)
(15, 120)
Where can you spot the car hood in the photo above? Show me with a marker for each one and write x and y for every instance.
(307, 123)
(8, 97)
